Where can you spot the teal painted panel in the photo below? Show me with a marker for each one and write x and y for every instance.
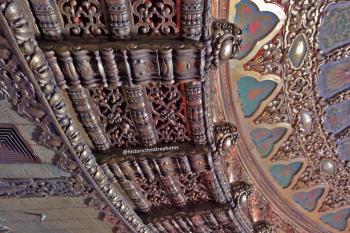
(337, 220)
(265, 139)
(283, 174)
(255, 25)
(308, 200)
(252, 92)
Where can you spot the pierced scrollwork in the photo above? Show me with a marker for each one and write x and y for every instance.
(226, 41)
(154, 193)
(194, 187)
(114, 115)
(82, 17)
(168, 110)
(155, 17)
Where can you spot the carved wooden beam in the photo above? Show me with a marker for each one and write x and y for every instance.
(208, 217)
(19, 34)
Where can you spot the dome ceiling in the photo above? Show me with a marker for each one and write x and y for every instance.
(288, 92)
(151, 125)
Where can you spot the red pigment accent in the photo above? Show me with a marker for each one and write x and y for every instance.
(265, 145)
(77, 19)
(254, 26)
(255, 93)
(247, 10)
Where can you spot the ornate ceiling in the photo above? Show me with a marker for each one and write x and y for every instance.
(143, 100)
(287, 91)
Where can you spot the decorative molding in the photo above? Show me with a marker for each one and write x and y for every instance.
(32, 59)
(42, 187)
(262, 227)
(94, 71)
(47, 19)
(118, 13)
(13, 147)
(241, 192)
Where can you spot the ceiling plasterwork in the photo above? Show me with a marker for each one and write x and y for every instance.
(289, 93)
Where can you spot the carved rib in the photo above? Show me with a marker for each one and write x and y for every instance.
(83, 63)
(54, 66)
(171, 185)
(140, 115)
(133, 191)
(82, 104)
(47, 19)
(166, 65)
(191, 19)
(110, 66)
(119, 19)
(193, 92)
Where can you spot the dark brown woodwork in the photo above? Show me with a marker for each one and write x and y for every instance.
(119, 18)
(136, 73)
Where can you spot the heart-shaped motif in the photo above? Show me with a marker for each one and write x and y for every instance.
(253, 92)
(255, 25)
(283, 174)
(265, 139)
(308, 200)
(337, 220)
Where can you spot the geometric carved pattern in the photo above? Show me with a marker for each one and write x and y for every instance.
(13, 148)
